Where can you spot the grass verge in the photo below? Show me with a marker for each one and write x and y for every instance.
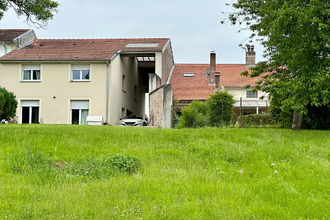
(86, 172)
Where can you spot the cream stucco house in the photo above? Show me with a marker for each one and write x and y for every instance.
(62, 81)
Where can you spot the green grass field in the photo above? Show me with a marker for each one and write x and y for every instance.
(59, 172)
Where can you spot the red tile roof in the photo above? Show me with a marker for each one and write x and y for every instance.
(197, 88)
(83, 49)
(11, 34)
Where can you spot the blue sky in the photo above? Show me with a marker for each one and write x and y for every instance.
(193, 26)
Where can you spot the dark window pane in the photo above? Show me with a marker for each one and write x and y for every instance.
(25, 115)
(35, 115)
(36, 74)
(75, 116)
(76, 74)
(85, 74)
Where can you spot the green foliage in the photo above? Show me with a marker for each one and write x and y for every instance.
(38, 11)
(317, 118)
(255, 120)
(8, 104)
(194, 115)
(220, 108)
(295, 34)
(126, 164)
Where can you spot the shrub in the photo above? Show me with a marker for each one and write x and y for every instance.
(220, 108)
(255, 120)
(8, 104)
(194, 115)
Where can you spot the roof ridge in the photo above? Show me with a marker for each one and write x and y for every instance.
(15, 29)
(209, 64)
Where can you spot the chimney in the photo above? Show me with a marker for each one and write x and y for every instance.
(250, 56)
(212, 69)
(35, 41)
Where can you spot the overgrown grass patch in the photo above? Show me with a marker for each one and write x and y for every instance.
(85, 172)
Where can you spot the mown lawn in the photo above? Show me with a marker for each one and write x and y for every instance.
(58, 172)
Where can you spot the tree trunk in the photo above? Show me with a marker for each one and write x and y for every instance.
(296, 122)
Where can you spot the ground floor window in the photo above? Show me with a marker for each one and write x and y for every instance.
(79, 112)
(30, 112)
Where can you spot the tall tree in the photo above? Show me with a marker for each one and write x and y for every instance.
(295, 34)
(220, 108)
(37, 12)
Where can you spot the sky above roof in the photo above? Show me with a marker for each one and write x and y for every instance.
(193, 26)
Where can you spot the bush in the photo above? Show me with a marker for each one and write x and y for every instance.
(220, 108)
(255, 120)
(194, 115)
(8, 104)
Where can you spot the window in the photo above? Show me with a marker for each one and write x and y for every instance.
(188, 74)
(30, 112)
(80, 73)
(31, 73)
(123, 85)
(79, 112)
(250, 94)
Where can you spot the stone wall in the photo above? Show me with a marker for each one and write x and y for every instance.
(161, 101)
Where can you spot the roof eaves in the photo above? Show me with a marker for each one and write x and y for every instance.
(51, 60)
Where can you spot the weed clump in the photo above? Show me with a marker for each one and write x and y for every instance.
(126, 164)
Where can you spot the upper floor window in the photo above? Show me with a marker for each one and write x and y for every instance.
(80, 73)
(250, 94)
(31, 73)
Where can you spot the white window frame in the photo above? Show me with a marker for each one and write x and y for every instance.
(30, 69)
(251, 95)
(79, 105)
(30, 104)
(80, 68)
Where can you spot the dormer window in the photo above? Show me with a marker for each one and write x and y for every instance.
(188, 74)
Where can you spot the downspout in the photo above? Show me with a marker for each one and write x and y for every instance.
(107, 91)
(4, 45)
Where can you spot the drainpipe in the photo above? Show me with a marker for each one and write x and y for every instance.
(107, 91)
(4, 45)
